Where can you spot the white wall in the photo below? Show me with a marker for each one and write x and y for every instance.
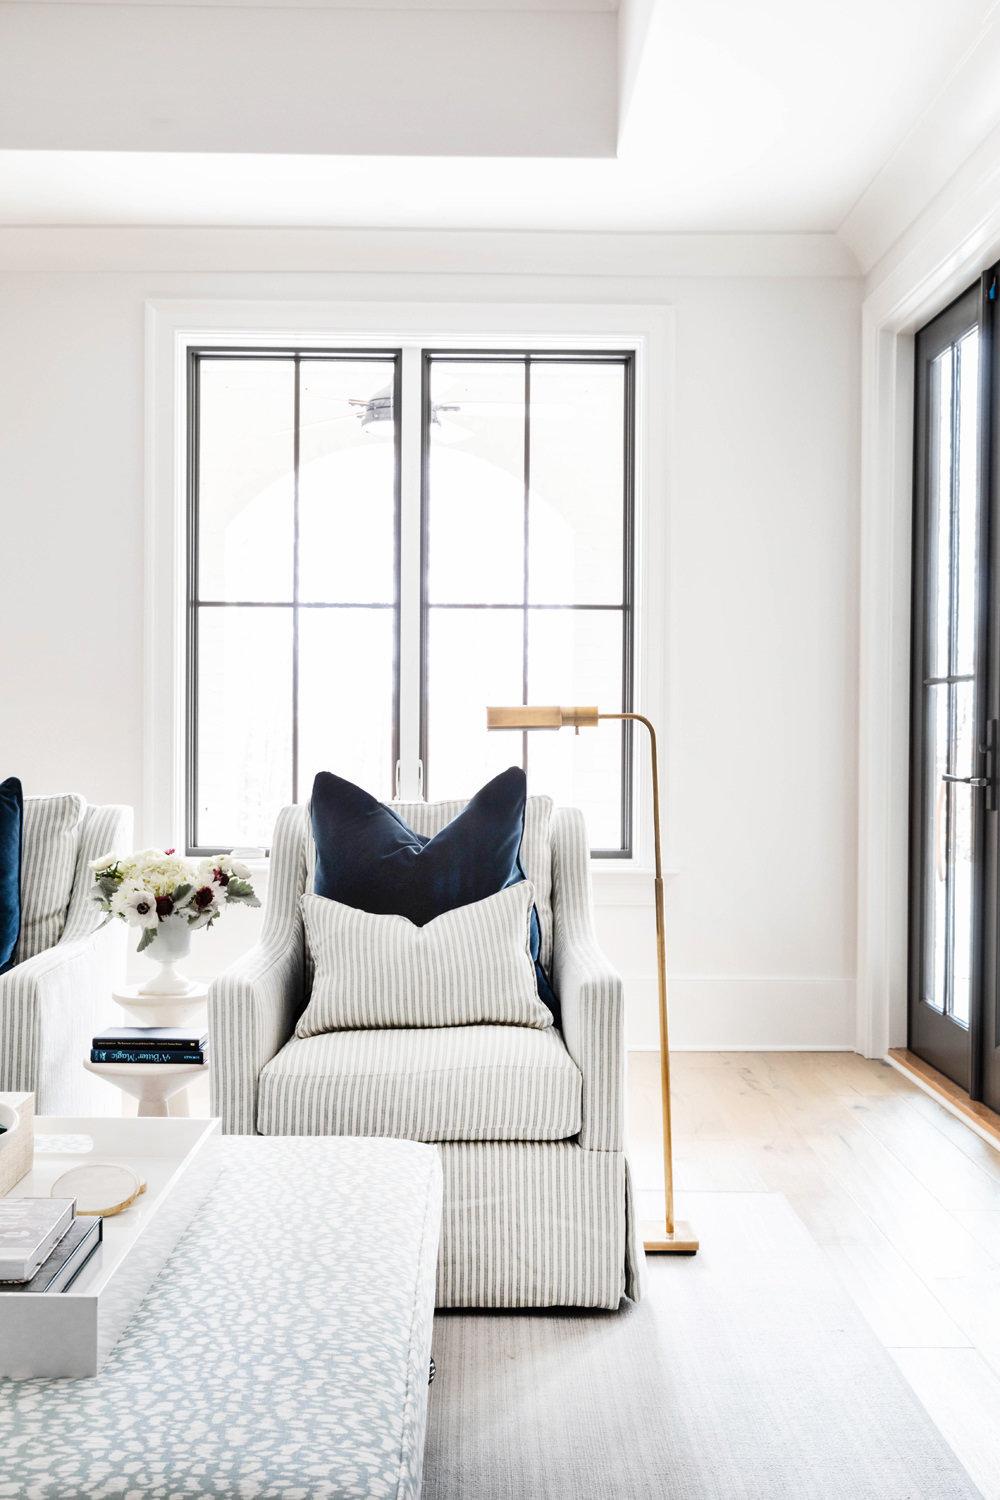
(758, 699)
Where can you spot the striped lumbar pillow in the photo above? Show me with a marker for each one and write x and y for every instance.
(469, 966)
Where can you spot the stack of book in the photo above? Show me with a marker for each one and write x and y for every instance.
(149, 1044)
(43, 1245)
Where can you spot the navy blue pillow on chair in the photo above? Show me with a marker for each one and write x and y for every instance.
(11, 823)
(369, 858)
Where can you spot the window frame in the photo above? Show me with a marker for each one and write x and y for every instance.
(627, 359)
(397, 319)
(297, 355)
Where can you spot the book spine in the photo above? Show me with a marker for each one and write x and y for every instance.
(143, 1055)
(146, 1044)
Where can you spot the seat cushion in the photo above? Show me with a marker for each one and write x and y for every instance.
(459, 1083)
(469, 966)
(52, 827)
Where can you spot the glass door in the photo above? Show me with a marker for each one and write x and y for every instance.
(950, 788)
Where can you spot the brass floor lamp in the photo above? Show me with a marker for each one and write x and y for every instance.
(658, 1238)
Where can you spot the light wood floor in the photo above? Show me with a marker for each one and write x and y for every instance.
(903, 1199)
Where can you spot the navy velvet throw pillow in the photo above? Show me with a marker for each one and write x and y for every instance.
(369, 858)
(11, 821)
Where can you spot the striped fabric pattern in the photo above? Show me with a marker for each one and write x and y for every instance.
(525, 1226)
(590, 991)
(253, 1006)
(428, 818)
(52, 1003)
(468, 966)
(455, 1083)
(52, 827)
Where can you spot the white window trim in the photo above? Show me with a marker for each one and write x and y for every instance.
(175, 326)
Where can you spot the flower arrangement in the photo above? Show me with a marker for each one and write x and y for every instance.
(147, 888)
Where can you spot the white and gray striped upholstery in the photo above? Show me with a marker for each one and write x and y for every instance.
(468, 966)
(451, 1083)
(533, 1226)
(526, 1224)
(52, 1002)
(52, 828)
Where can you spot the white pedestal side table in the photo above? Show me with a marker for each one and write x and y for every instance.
(188, 1009)
(159, 1087)
(155, 1085)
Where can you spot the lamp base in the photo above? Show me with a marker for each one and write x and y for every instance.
(656, 1240)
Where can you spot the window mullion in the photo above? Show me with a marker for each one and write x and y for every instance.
(408, 781)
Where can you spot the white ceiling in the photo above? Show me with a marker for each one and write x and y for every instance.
(774, 117)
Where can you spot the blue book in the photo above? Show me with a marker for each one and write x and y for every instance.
(144, 1055)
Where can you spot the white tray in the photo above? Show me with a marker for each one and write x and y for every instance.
(72, 1333)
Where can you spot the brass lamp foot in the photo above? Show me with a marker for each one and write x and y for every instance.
(656, 1240)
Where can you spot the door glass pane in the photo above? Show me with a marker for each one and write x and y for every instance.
(347, 482)
(966, 504)
(576, 509)
(475, 489)
(961, 836)
(246, 479)
(939, 502)
(474, 658)
(575, 656)
(346, 697)
(244, 724)
(935, 875)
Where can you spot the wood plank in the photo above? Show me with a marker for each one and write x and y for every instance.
(984, 1120)
(956, 1181)
(907, 1213)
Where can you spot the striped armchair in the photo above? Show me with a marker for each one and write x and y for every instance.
(530, 1125)
(58, 992)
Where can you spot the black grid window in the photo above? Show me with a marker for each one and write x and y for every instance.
(297, 644)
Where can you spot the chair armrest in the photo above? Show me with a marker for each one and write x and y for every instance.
(252, 1010)
(51, 1005)
(590, 991)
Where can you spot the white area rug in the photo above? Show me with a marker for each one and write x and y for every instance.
(746, 1373)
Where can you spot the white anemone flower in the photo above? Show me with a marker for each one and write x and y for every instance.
(136, 904)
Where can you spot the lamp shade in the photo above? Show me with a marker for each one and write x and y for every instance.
(534, 716)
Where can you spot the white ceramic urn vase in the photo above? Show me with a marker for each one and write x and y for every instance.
(170, 945)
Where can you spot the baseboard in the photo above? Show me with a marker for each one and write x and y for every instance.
(743, 1013)
(830, 1047)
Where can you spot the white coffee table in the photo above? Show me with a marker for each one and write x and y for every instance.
(71, 1333)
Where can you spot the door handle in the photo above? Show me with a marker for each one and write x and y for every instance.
(967, 780)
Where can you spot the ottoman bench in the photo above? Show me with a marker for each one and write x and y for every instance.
(282, 1352)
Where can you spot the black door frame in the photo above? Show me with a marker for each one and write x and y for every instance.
(955, 1050)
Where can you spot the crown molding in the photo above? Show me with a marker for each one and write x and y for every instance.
(937, 153)
(230, 250)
